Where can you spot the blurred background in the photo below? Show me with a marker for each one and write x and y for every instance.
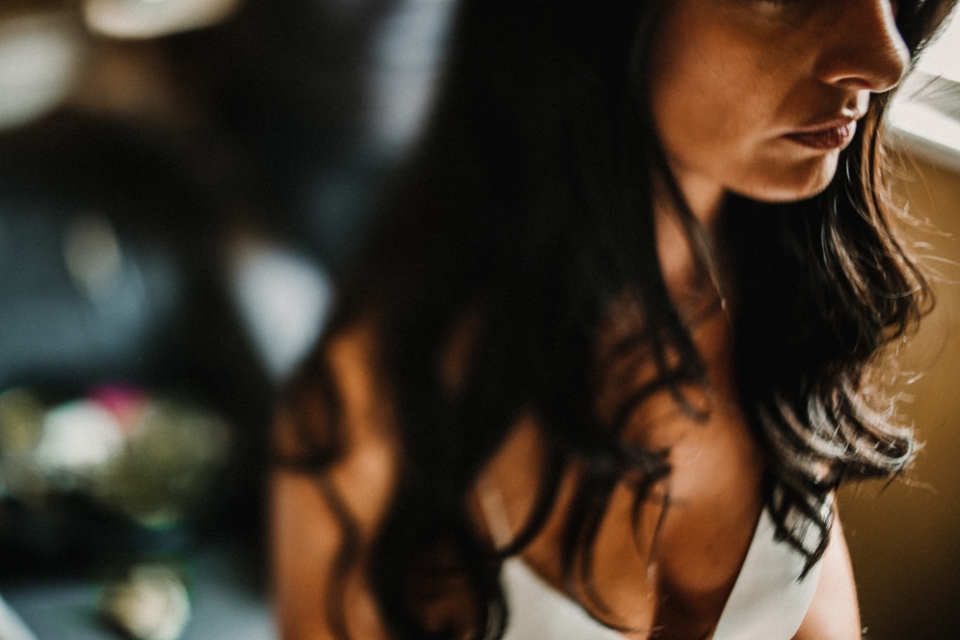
(178, 181)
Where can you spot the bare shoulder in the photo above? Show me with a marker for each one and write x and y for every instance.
(834, 613)
(323, 520)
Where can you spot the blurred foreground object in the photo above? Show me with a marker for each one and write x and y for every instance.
(153, 18)
(50, 50)
(151, 603)
(283, 299)
(118, 457)
(11, 626)
(40, 58)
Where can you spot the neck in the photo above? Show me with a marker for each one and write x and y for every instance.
(704, 198)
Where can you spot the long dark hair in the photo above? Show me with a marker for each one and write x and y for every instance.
(527, 206)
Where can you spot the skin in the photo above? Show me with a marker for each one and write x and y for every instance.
(731, 78)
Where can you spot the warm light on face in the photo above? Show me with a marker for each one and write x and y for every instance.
(760, 98)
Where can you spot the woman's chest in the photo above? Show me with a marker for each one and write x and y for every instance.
(666, 559)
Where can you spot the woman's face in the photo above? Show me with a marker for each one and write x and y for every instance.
(758, 97)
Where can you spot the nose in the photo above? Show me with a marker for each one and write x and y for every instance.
(863, 48)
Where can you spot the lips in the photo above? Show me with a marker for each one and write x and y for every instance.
(834, 135)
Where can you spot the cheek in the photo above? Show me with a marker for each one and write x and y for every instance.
(702, 129)
(723, 93)
(708, 99)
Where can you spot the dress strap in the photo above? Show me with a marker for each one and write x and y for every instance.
(769, 599)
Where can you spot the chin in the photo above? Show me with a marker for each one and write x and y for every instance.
(799, 181)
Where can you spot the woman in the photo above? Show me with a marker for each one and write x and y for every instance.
(615, 327)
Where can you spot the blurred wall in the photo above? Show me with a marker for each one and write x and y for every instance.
(905, 537)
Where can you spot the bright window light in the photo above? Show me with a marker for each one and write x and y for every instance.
(943, 57)
(925, 115)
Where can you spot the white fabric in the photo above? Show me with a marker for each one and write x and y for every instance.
(768, 601)
(539, 612)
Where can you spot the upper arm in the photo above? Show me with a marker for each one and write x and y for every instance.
(833, 613)
(316, 519)
(307, 540)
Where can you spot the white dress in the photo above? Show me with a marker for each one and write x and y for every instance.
(768, 601)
